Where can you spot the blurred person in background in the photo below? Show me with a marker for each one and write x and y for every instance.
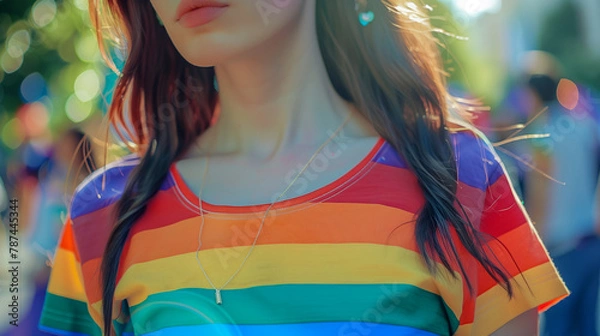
(564, 211)
(71, 159)
(506, 122)
(22, 184)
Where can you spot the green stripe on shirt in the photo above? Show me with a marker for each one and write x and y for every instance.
(397, 304)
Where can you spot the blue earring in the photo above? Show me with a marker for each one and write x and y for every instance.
(216, 84)
(364, 17)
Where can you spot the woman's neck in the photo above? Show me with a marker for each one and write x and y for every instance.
(278, 96)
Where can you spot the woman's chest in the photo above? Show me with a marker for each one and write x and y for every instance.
(350, 272)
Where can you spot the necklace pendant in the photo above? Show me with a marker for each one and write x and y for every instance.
(218, 296)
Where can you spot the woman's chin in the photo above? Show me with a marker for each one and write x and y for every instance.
(205, 52)
(204, 58)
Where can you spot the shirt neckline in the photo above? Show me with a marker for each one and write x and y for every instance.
(191, 198)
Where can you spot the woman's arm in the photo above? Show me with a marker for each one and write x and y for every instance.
(525, 324)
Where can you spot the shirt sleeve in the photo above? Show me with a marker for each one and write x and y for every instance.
(66, 310)
(513, 242)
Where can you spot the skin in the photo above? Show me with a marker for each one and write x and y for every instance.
(525, 324)
(266, 64)
(276, 106)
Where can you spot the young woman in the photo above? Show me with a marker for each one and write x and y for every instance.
(330, 195)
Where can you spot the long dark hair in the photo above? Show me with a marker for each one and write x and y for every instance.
(84, 157)
(390, 70)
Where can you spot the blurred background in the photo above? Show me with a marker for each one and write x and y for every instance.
(535, 63)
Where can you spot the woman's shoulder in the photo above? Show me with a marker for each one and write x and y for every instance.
(102, 187)
(477, 161)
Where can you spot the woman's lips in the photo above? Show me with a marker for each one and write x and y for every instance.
(201, 16)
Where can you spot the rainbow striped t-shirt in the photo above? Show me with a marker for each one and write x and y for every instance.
(341, 260)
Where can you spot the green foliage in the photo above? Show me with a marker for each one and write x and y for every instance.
(59, 49)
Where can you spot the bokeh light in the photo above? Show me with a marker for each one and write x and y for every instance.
(87, 85)
(35, 118)
(13, 133)
(567, 93)
(76, 110)
(18, 43)
(475, 8)
(10, 64)
(43, 12)
(33, 87)
(86, 48)
(81, 4)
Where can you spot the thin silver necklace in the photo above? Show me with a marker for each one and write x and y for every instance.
(218, 298)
